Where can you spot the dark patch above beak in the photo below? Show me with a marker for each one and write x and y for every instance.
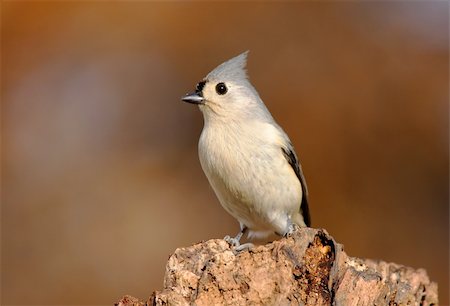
(194, 98)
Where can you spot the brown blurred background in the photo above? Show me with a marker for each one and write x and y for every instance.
(100, 175)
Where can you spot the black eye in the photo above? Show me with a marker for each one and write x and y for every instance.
(221, 89)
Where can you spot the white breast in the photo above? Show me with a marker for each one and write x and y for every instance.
(249, 174)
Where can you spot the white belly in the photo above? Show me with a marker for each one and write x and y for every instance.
(251, 178)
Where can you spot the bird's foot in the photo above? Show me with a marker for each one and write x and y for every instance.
(233, 242)
(236, 246)
(243, 247)
(291, 229)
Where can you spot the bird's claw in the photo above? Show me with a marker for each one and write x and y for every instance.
(243, 247)
(236, 246)
(291, 229)
(232, 241)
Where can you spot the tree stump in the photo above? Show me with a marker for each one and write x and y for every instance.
(307, 268)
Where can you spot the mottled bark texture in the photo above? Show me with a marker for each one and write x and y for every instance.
(308, 268)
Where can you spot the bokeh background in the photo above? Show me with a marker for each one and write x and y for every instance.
(100, 176)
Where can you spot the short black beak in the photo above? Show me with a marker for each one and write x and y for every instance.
(193, 98)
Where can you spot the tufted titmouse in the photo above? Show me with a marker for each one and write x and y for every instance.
(246, 156)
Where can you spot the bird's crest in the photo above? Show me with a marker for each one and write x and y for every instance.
(231, 70)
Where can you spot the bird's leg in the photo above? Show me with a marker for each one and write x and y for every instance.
(292, 227)
(235, 242)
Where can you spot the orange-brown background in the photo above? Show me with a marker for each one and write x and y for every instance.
(100, 174)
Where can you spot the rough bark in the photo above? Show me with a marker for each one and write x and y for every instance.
(308, 268)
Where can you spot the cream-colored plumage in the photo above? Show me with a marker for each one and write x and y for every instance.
(247, 158)
(240, 174)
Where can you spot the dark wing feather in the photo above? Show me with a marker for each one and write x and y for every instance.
(291, 157)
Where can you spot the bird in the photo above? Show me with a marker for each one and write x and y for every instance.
(246, 156)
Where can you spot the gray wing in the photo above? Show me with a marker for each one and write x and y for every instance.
(291, 157)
